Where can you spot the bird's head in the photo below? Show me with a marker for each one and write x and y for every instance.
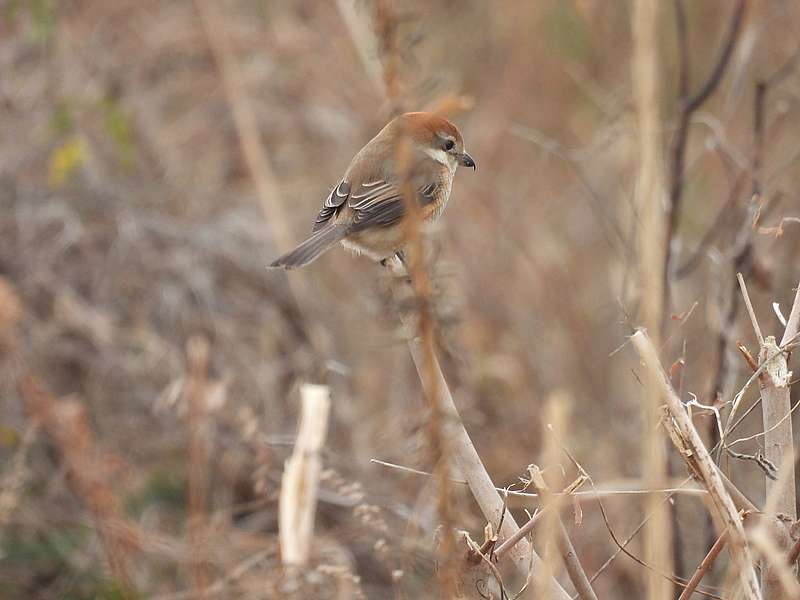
(437, 137)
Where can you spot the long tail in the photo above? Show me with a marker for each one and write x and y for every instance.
(310, 249)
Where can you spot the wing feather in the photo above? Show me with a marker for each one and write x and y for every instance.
(374, 203)
(333, 204)
(383, 205)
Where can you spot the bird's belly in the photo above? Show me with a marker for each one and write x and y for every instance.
(378, 243)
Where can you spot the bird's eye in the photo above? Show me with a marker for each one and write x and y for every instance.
(449, 145)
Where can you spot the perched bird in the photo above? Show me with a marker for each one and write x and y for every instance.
(366, 208)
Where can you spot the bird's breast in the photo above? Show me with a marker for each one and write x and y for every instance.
(434, 210)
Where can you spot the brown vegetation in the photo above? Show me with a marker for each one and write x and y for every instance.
(497, 416)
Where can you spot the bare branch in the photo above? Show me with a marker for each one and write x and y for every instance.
(466, 458)
(688, 106)
(776, 406)
(574, 568)
(750, 311)
(704, 566)
(196, 394)
(681, 30)
(722, 503)
(523, 531)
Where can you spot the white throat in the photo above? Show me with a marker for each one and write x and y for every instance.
(442, 157)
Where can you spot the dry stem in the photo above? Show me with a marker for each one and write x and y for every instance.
(471, 467)
(650, 199)
(298, 500)
(556, 414)
(710, 477)
(197, 357)
(704, 566)
(778, 443)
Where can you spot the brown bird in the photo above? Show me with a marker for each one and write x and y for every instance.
(365, 210)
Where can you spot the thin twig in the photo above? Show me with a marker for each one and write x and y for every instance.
(750, 311)
(622, 547)
(573, 565)
(763, 433)
(512, 540)
(596, 493)
(704, 566)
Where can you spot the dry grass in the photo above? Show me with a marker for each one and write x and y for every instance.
(156, 156)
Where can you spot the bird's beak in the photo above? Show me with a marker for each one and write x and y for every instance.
(466, 161)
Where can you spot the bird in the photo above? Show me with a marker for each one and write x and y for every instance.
(365, 210)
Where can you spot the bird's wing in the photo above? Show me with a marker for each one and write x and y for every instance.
(332, 205)
(381, 203)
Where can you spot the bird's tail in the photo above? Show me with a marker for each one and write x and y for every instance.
(310, 249)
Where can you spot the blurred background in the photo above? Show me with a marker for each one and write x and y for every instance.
(156, 156)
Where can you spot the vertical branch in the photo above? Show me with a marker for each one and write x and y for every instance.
(422, 349)
(573, 564)
(775, 384)
(298, 499)
(693, 449)
(386, 23)
(743, 243)
(650, 199)
(681, 30)
(688, 105)
(775, 381)
(197, 356)
(555, 533)
(437, 414)
(548, 533)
